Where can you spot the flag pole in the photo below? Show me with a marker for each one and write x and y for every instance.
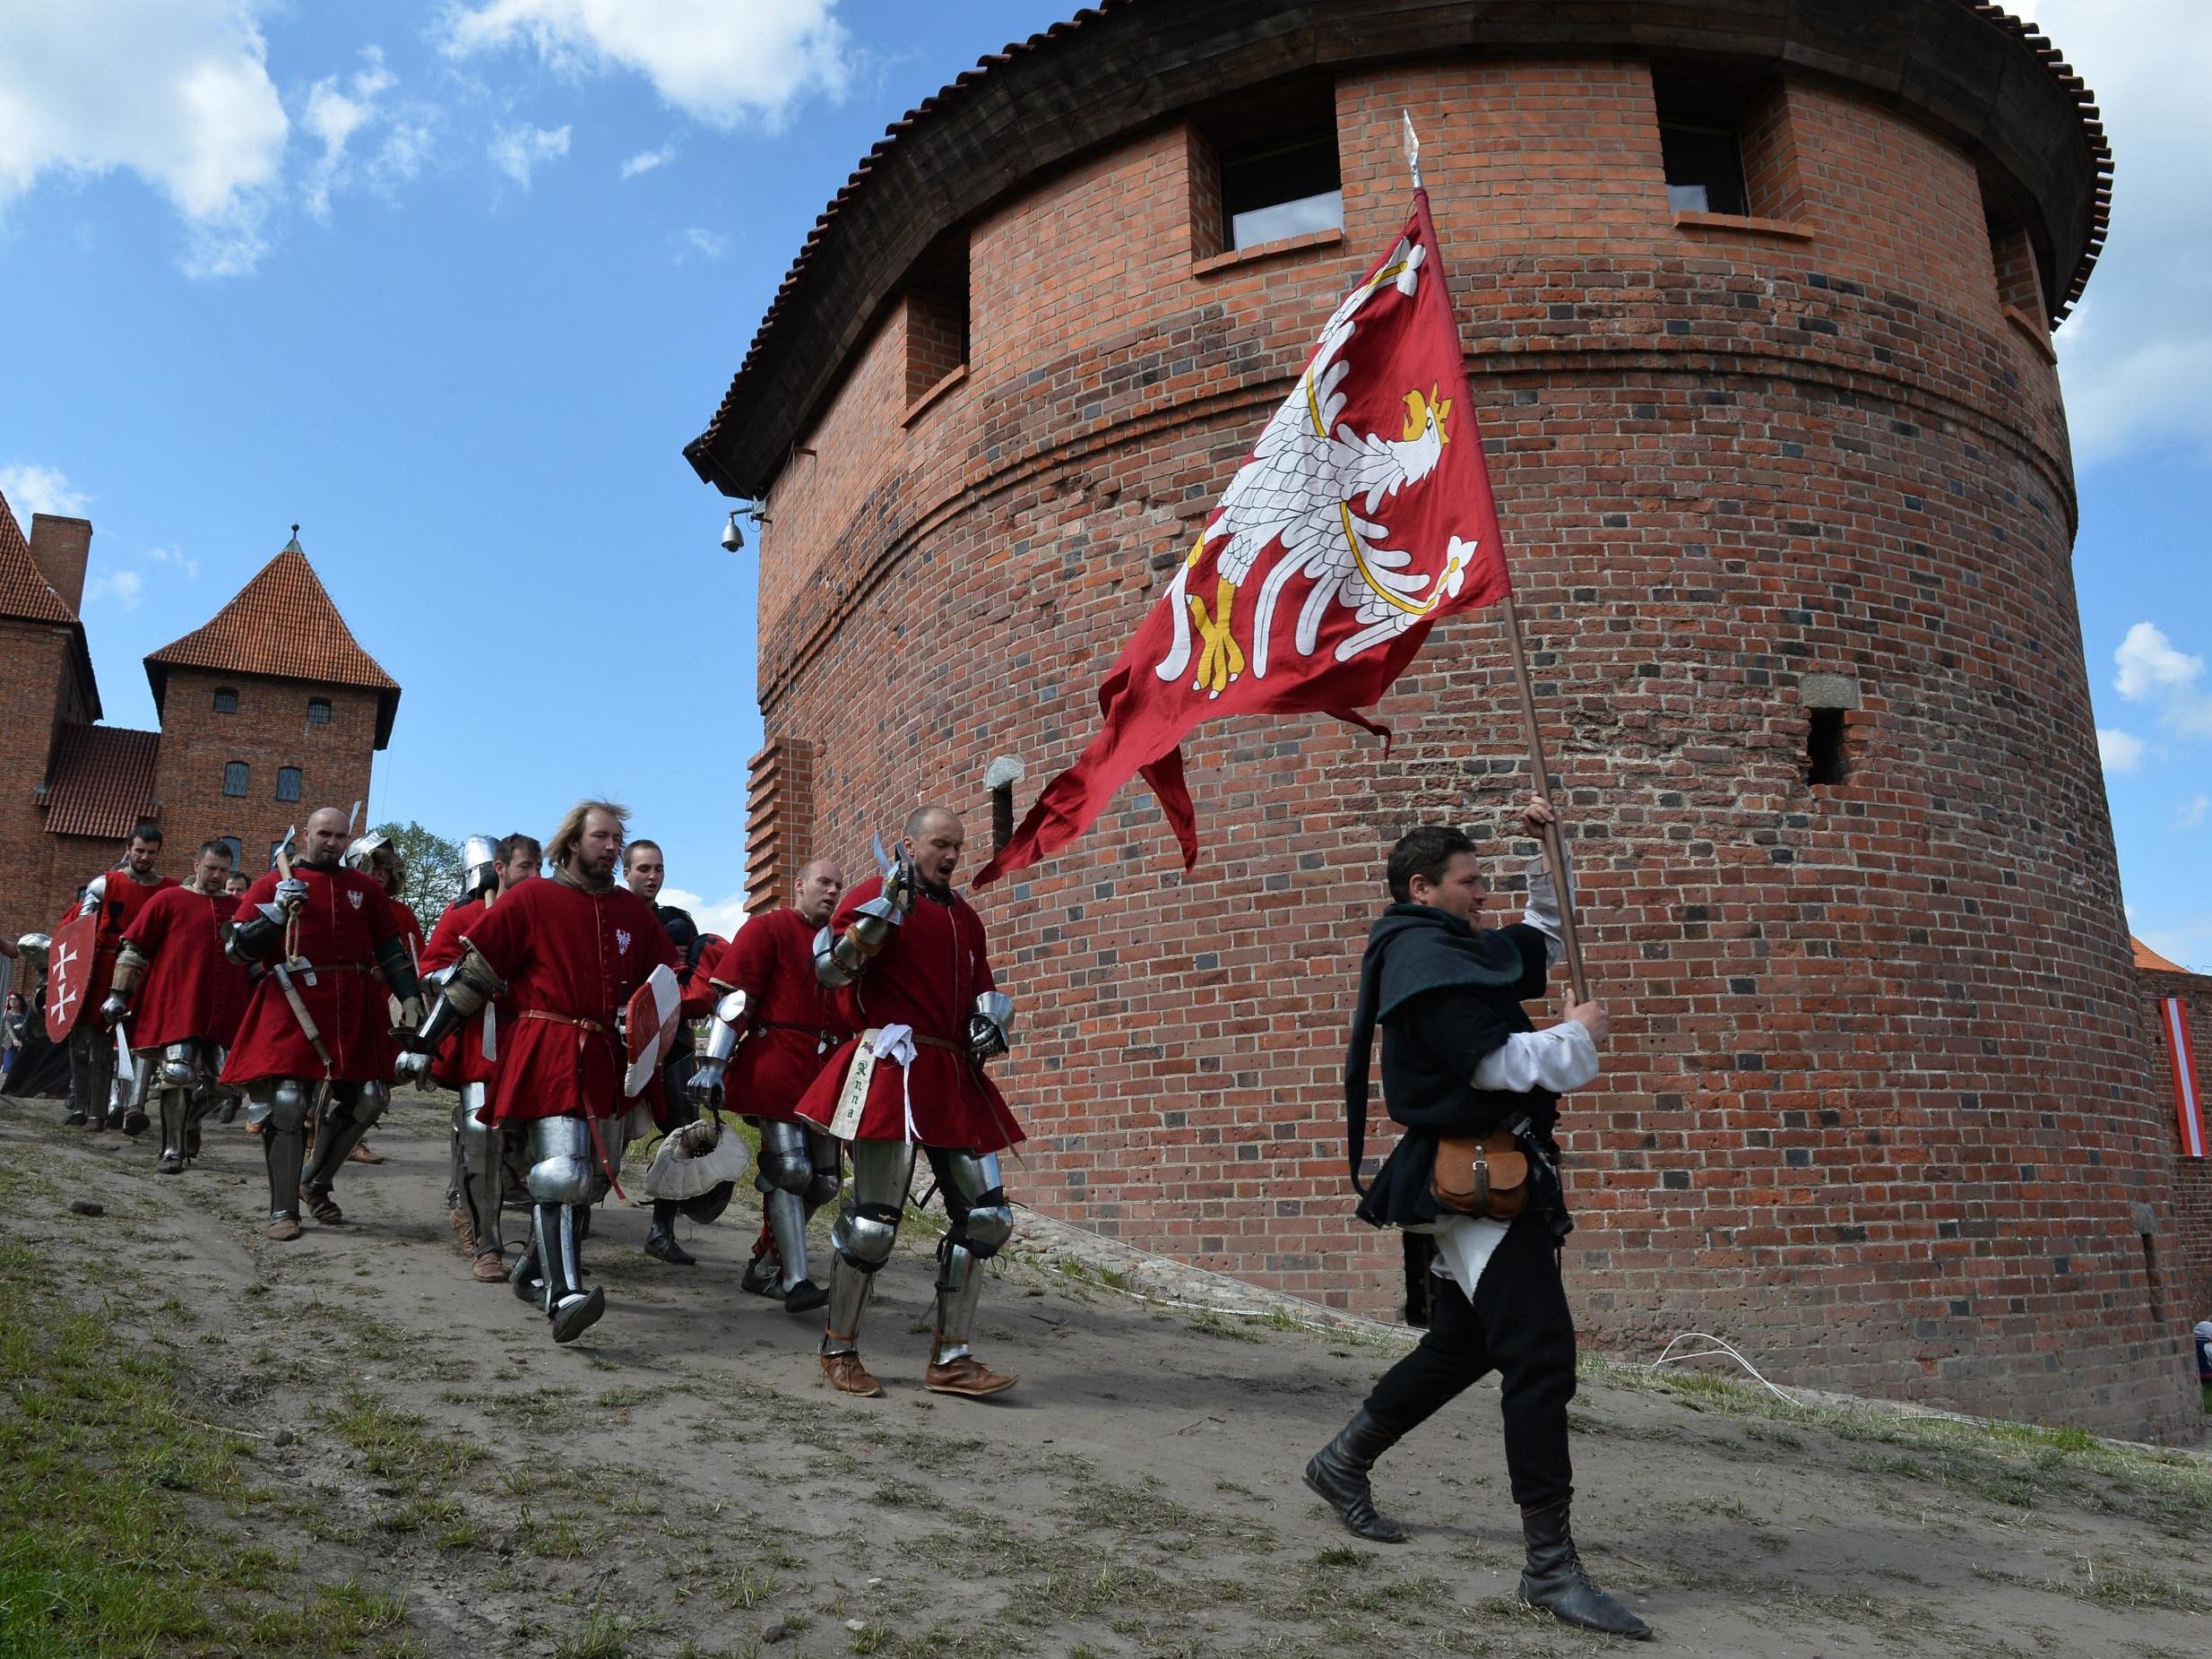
(1554, 849)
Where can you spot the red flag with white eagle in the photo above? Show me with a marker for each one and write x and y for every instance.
(1364, 515)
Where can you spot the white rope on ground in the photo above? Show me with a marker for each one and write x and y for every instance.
(1719, 1350)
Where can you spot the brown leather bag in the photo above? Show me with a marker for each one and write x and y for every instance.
(1481, 1175)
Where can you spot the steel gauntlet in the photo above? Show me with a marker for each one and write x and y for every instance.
(723, 1033)
(839, 959)
(989, 1027)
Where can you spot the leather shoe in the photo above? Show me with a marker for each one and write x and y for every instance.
(489, 1268)
(284, 1229)
(662, 1247)
(804, 1297)
(323, 1207)
(1555, 1579)
(578, 1314)
(763, 1276)
(966, 1375)
(363, 1153)
(847, 1375)
(1337, 1476)
(464, 1229)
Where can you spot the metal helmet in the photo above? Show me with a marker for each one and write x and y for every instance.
(363, 848)
(34, 947)
(479, 866)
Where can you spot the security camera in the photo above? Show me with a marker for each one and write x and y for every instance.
(733, 537)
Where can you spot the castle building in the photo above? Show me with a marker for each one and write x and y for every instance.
(1755, 306)
(269, 710)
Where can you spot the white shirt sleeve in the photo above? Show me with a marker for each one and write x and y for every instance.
(1544, 905)
(1558, 1059)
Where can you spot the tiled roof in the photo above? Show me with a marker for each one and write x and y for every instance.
(2149, 961)
(974, 92)
(23, 589)
(102, 780)
(283, 625)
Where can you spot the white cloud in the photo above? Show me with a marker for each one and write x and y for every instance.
(2137, 355)
(333, 117)
(2187, 941)
(2122, 752)
(2193, 815)
(516, 151)
(719, 61)
(723, 916)
(2153, 671)
(189, 568)
(125, 587)
(177, 91)
(706, 243)
(33, 488)
(645, 161)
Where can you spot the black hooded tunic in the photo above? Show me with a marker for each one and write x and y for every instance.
(1447, 994)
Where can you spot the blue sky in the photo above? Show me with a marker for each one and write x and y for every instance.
(452, 284)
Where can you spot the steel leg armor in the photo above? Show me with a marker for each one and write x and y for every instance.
(562, 1178)
(349, 1110)
(982, 1223)
(91, 1072)
(280, 1106)
(865, 1230)
(797, 1174)
(477, 1176)
(177, 1086)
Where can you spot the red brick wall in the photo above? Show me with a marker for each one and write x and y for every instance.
(779, 823)
(270, 731)
(1859, 1032)
(34, 658)
(2190, 1250)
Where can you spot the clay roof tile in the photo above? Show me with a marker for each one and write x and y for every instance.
(24, 590)
(102, 780)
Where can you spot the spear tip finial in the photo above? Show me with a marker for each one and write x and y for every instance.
(1413, 147)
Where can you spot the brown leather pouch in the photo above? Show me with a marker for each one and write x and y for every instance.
(1481, 1175)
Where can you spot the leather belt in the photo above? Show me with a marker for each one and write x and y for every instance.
(961, 1048)
(559, 1019)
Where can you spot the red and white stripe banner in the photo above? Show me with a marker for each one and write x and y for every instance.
(2188, 1102)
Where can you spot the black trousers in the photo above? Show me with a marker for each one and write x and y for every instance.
(1518, 1324)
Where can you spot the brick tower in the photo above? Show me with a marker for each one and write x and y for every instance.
(1755, 306)
(270, 710)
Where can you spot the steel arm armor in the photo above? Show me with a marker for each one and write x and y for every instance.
(462, 990)
(130, 966)
(397, 965)
(724, 1032)
(991, 1026)
(839, 959)
(255, 937)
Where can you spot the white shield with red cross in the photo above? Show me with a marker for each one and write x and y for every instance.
(653, 1026)
(69, 974)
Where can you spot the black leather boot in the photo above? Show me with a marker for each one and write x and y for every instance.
(661, 1236)
(1338, 1475)
(1555, 1581)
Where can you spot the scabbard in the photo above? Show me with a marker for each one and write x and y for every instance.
(299, 1012)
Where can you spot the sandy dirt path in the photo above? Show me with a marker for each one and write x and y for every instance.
(681, 1482)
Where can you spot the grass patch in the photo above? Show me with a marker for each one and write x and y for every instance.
(106, 1499)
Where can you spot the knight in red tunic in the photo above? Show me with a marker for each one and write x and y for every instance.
(479, 1170)
(183, 999)
(566, 954)
(376, 854)
(117, 895)
(910, 957)
(774, 1025)
(317, 1023)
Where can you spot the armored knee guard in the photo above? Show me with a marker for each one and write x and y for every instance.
(784, 1165)
(280, 1106)
(823, 1159)
(560, 1159)
(561, 1180)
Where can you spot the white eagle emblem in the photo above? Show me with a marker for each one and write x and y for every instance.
(622, 942)
(353, 897)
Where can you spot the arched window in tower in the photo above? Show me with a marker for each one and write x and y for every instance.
(318, 710)
(288, 784)
(225, 700)
(237, 778)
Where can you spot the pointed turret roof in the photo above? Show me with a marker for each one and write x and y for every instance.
(282, 625)
(24, 590)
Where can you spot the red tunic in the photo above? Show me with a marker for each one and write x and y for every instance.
(337, 930)
(190, 991)
(461, 1057)
(789, 1015)
(928, 975)
(125, 899)
(567, 957)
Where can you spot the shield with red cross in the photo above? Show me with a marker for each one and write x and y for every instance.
(69, 974)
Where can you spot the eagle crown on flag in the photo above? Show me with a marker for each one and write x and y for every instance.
(1386, 533)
